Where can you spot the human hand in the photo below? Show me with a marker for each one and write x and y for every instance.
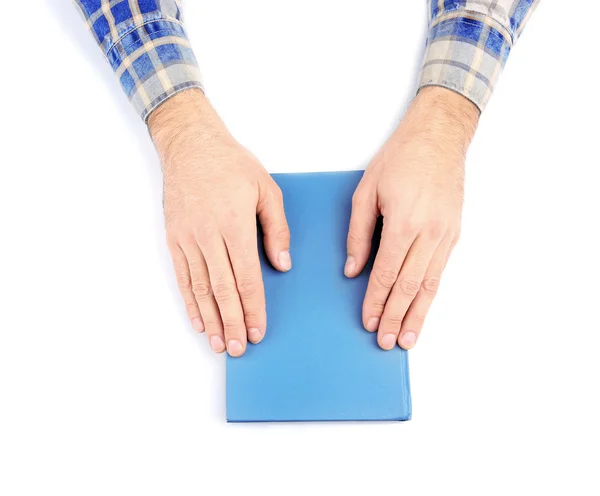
(213, 191)
(416, 183)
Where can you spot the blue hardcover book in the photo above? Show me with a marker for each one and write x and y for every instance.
(317, 362)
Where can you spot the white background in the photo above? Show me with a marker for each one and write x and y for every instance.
(106, 390)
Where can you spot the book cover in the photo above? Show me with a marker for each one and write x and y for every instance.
(317, 362)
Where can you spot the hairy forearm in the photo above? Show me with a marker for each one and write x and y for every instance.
(441, 117)
(183, 123)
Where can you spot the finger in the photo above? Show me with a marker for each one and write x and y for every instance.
(360, 233)
(226, 295)
(271, 215)
(415, 316)
(243, 253)
(203, 295)
(184, 283)
(405, 289)
(393, 248)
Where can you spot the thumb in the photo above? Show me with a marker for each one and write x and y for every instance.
(275, 228)
(362, 224)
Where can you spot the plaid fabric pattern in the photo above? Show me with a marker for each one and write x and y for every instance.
(469, 42)
(145, 43)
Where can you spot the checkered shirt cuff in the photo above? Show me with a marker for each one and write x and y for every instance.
(465, 53)
(154, 62)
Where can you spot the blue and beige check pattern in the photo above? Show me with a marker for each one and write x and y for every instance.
(145, 43)
(469, 42)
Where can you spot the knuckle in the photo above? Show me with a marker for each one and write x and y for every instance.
(385, 277)
(435, 230)
(408, 287)
(431, 284)
(223, 290)
(411, 230)
(364, 201)
(354, 237)
(388, 259)
(407, 229)
(191, 307)
(417, 321)
(202, 232)
(277, 193)
(394, 321)
(357, 198)
(375, 307)
(172, 241)
(251, 315)
(231, 326)
(183, 282)
(212, 324)
(457, 235)
(201, 289)
(283, 233)
(247, 287)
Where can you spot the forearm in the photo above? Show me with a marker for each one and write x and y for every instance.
(181, 124)
(442, 118)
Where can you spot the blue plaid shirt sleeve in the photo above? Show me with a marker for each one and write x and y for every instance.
(469, 42)
(145, 43)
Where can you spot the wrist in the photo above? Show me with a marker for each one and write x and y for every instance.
(185, 119)
(442, 116)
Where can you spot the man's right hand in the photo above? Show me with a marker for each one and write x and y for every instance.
(213, 191)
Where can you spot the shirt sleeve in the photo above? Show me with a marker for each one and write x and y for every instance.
(146, 44)
(469, 42)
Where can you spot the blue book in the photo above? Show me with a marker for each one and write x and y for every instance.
(317, 362)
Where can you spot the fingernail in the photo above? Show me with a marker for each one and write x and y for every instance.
(408, 340)
(254, 335)
(217, 344)
(197, 324)
(373, 324)
(350, 266)
(388, 341)
(285, 260)
(234, 348)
